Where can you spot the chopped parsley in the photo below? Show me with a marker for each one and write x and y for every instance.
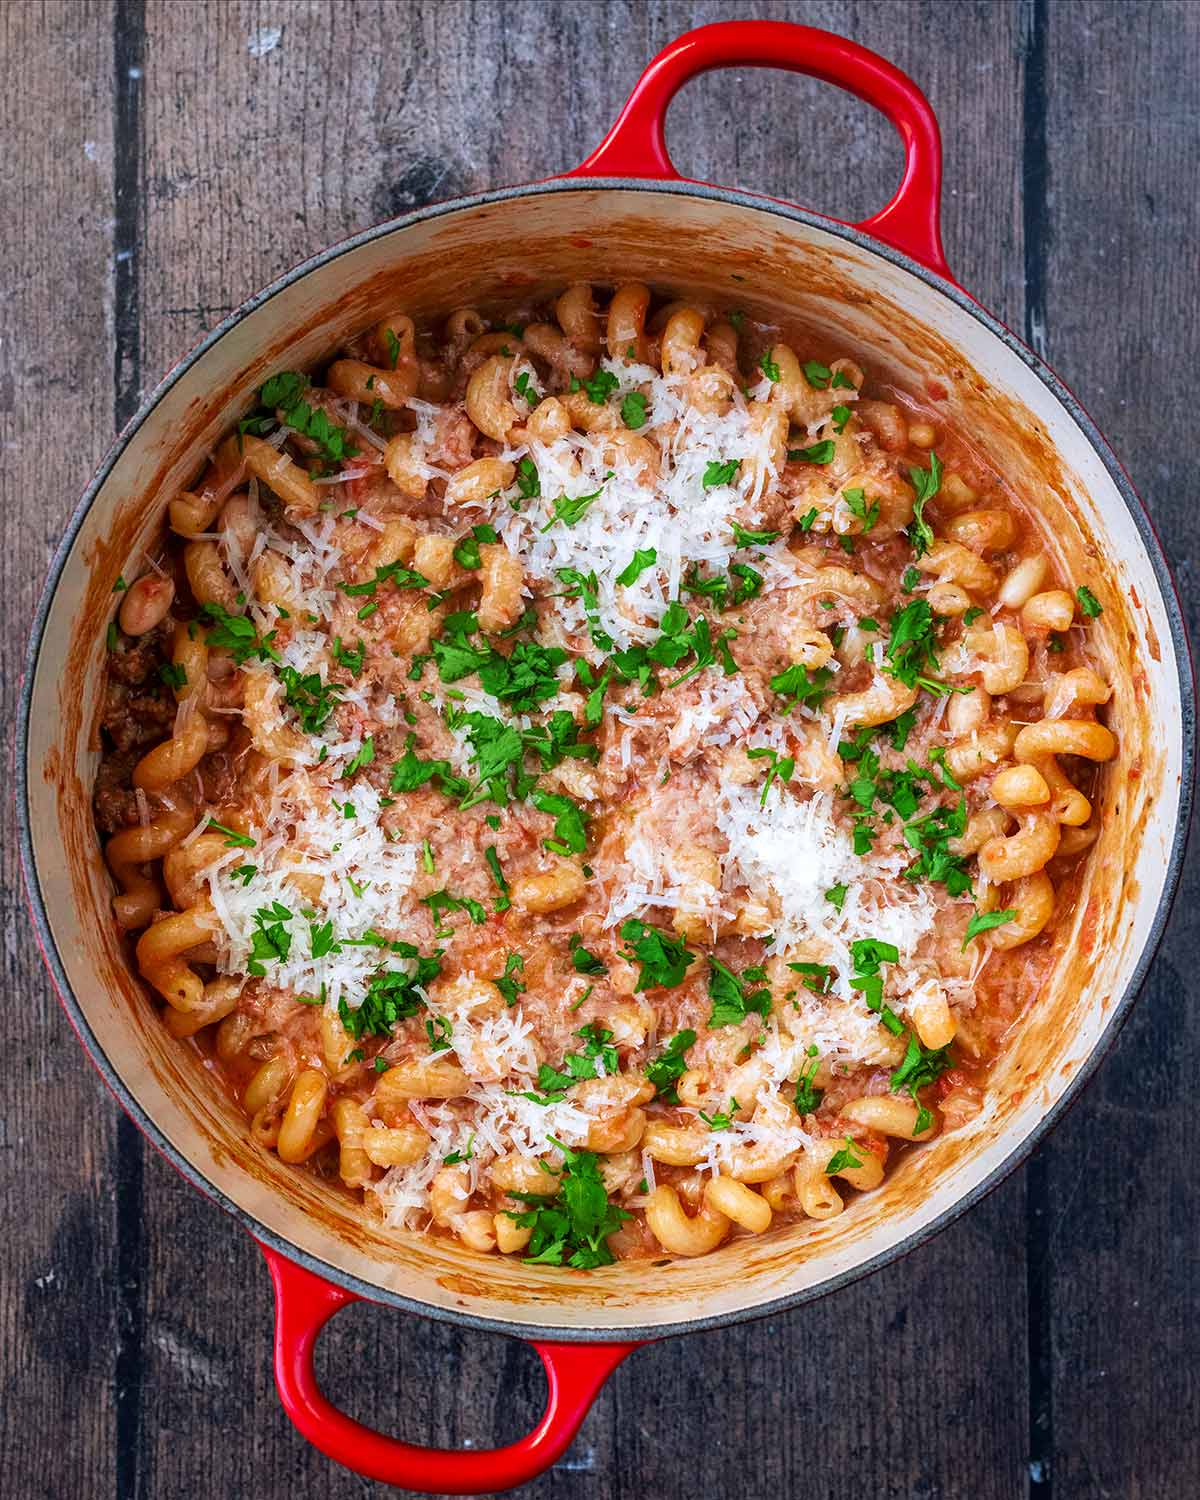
(237, 635)
(800, 685)
(411, 772)
(553, 1083)
(1088, 603)
(363, 756)
(921, 1066)
(663, 959)
(525, 387)
(817, 453)
(911, 651)
(583, 961)
(720, 471)
(570, 822)
(508, 984)
(466, 553)
(821, 377)
(456, 1157)
(633, 410)
(808, 1098)
(311, 699)
(721, 1119)
(984, 921)
(856, 500)
(492, 859)
(769, 368)
(669, 1066)
(392, 996)
(926, 483)
(817, 977)
(745, 538)
(570, 510)
(528, 481)
(781, 766)
(868, 955)
(442, 902)
(572, 1229)
(234, 839)
(438, 1030)
(731, 1000)
(929, 836)
(270, 941)
(285, 392)
(643, 558)
(843, 1158)
(599, 387)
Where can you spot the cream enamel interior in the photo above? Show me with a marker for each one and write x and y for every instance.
(489, 253)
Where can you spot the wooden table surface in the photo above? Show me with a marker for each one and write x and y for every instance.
(162, 160)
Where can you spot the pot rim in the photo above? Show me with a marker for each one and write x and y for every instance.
(1021, 1149)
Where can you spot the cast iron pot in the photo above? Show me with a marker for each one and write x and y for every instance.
(625, 213)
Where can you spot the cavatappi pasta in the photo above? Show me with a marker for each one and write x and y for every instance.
(600, 780)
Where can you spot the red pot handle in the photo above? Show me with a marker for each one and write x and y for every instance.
(304, 1303)
(636, 145)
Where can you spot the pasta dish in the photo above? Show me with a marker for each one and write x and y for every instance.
(598, 778)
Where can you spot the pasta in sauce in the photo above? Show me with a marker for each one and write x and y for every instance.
(599, 779)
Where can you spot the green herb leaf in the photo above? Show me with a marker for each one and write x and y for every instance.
(817, 453)
(600, 386)
(669, 1066)
(926, 483)
(856, 499)
(844, 1158)
(643, 558)
(583, 961)
(392, 996)
(984, 921)
(745, 538)
(528, 480)
(237, 635)
(799, 685)
(719, 471)
(363, 756)
(493, 863)
(571, 511)
(781, 766)
(921, 1066)
(662, 958)
(572, 1228)
(633, 410)
(808, 1098)
(570, 822)
(233, 839)
(1088, 602)
(731, 1000)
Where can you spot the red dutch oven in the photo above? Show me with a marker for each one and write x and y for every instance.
(624, 214)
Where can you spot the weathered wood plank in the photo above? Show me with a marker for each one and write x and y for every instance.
(1121, 322)
(59, 1306)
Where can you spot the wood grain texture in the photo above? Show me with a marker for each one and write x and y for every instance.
(60, 1308)
(1123, 1203)
(223, 168)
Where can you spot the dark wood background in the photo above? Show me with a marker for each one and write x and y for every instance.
(155, 173)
